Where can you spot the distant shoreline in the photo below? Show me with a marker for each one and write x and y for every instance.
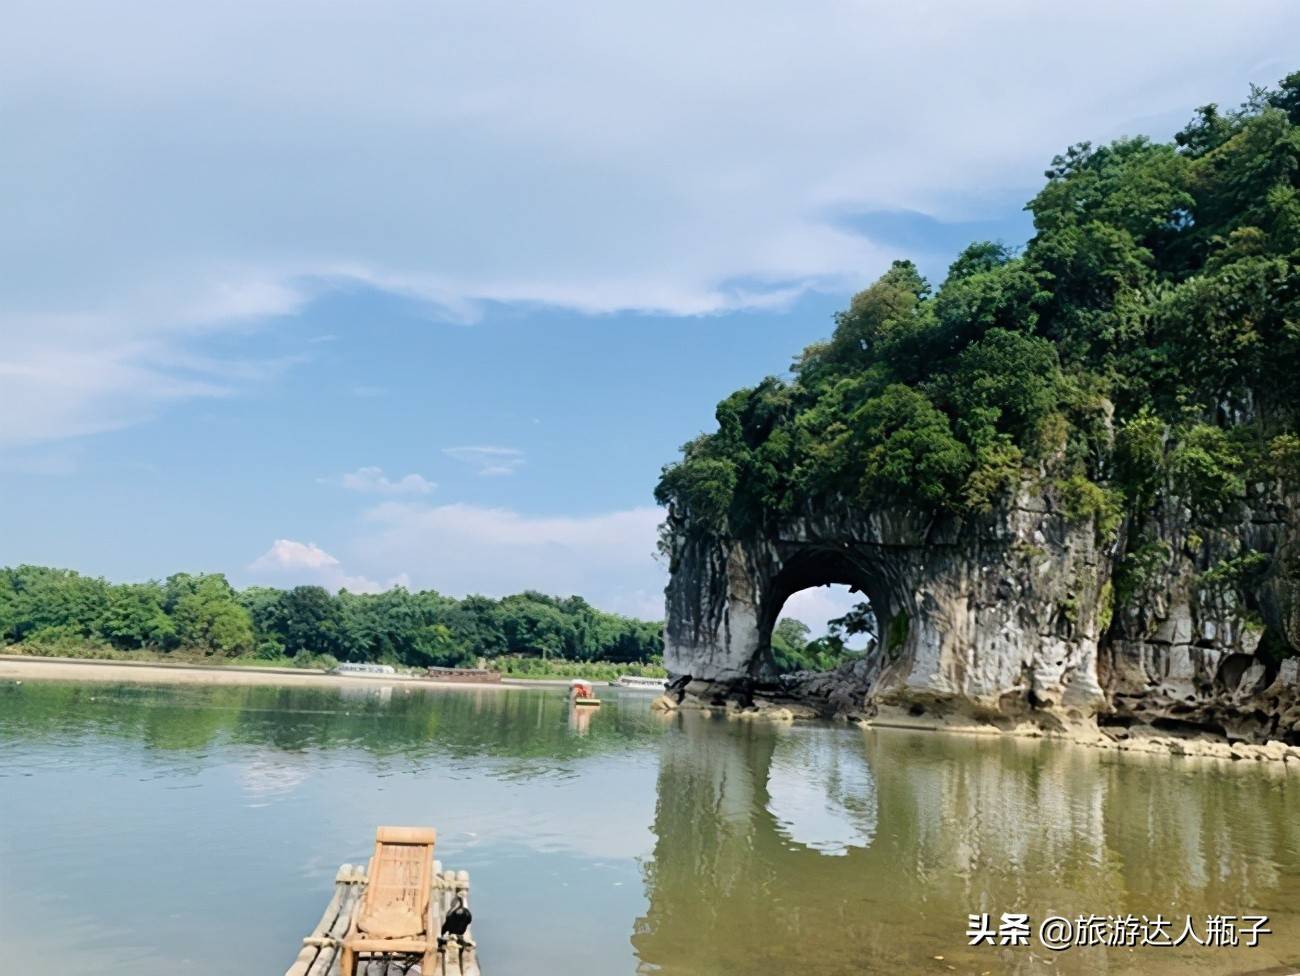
(30, 667)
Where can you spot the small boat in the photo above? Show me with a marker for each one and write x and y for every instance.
(582, 692)
(361, 669)
(400, 880)
(639, 683)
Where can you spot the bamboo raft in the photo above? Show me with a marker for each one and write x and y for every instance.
(321, 956)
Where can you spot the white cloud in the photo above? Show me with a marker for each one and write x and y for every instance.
(172, 169)
(488, 460)
(285, 555)
(458, 549)
(290, 563)
(372, 480)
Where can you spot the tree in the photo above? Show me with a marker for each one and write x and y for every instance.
(789, 638)
(306, 619)
(475, 623)
(134, 617)
(1004, 382)
(55, 600)
(8, 611)
(905, 449)
(792, 650)
(859, 620)
(263, 606)
(533, 625)
(207, 615)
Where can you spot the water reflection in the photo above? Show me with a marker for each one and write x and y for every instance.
(820, 790)
(359, 692)
(191, 721)
(186, 804)
(848, 852)
(760, 848)
(580, 718)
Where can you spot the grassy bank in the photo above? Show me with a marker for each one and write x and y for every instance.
(90, 651)
(553, 668)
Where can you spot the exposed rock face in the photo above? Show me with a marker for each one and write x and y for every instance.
(1004, 619)
(1215, 653)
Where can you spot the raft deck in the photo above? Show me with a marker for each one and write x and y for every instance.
(321, 956)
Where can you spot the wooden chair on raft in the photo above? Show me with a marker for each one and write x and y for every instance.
(395, 913)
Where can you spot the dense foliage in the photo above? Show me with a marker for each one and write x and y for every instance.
(205, 614)
(1146, 341)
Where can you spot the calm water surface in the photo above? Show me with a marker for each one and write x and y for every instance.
(154, 830)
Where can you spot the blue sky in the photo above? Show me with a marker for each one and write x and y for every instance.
(426, 293)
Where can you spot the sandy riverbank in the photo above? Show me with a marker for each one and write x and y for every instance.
(26, 668)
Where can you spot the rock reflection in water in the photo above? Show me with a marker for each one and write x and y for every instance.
(926, 829)
(816, 849)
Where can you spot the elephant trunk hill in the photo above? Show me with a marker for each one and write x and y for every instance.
(1065, 482)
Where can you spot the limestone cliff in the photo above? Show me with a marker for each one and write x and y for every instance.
(1207, 636)
(1010, 617)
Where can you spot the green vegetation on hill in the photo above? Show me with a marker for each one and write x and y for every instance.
(1146, 341)
(59, 610)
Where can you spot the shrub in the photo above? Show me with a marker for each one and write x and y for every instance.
(1206, 470)
(1082, 500)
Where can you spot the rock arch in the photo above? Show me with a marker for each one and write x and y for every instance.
(994, 617)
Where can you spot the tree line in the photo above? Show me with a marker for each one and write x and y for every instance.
(204, 614)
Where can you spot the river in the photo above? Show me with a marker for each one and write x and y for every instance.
(160, 829)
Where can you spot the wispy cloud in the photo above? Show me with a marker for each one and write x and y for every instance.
(373, 481)
(65, 375)
(112, 274)
(488, 460)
